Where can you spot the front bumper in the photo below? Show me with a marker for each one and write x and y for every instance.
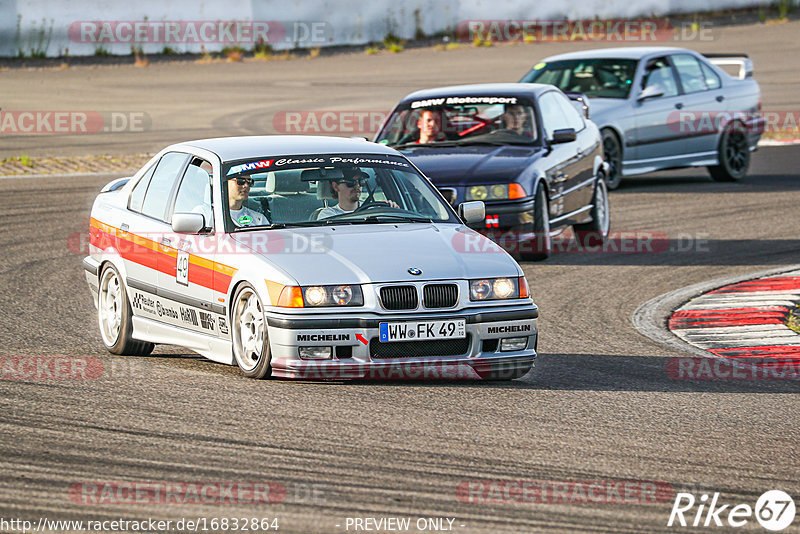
(506, 215)
(357, 352)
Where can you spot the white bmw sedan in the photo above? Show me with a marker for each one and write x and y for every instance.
(305, 257)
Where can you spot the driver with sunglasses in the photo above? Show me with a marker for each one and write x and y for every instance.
(348, 191)
(238, 191)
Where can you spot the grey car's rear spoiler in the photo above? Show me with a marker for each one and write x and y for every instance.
(742, 61)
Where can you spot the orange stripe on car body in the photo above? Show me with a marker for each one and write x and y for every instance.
(140, 250)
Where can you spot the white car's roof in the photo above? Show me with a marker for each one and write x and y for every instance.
(236, 148)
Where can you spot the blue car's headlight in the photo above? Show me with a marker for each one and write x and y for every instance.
(496, 192)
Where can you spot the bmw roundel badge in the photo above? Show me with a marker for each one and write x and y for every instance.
(415, 271)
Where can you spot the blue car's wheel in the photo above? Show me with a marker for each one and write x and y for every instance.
(595, 232)
(539, 248)
(612, 151)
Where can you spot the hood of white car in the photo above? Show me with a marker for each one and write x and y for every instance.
(376, 253)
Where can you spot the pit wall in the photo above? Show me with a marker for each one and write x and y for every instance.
(53, 28)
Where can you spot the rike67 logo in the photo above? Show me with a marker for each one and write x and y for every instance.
(774, 510)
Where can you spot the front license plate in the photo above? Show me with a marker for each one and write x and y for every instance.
(423, 330)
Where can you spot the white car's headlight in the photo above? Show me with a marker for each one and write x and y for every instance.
(320, 296)
(499, 288)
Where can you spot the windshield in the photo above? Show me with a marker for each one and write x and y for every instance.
(281, 191)
(461, 121)
(602, 78)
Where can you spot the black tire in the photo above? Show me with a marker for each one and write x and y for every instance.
(114, 316)
(595, 232)
(734, 155)
(539, 248)
(249, 333)
(612, 152)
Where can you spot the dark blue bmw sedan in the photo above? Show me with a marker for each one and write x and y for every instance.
(525, 150)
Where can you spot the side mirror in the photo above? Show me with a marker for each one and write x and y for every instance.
(564, 136)
(472, 212)
(188, 223)
(651, 91)
(580, 101)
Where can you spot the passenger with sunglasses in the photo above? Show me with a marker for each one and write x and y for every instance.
(348, 191)
(238, 191)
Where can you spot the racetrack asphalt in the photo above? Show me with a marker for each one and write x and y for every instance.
(598, 407)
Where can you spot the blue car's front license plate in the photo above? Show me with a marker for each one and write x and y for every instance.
(423, 330)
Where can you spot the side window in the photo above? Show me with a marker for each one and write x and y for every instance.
(194, 193)
(711, 77)
(659, 73)
(137, 197)
(552, 116)
(692, 78)
(574, 119)
(158, 192)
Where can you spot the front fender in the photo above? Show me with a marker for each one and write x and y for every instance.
(600, 165)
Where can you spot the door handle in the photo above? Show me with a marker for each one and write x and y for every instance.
(166, 241)
(720, 98)
(124, 227)
(679, 105)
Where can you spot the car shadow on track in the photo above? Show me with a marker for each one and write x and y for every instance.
(700, 183)
(770, 171)
(578, 372)
(606, 372)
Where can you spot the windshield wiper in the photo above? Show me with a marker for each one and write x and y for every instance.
(499, 142)
(299, 224)
(391, 218)
(468, 141)
(425, 145)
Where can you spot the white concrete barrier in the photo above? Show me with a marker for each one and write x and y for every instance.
(57, 28)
